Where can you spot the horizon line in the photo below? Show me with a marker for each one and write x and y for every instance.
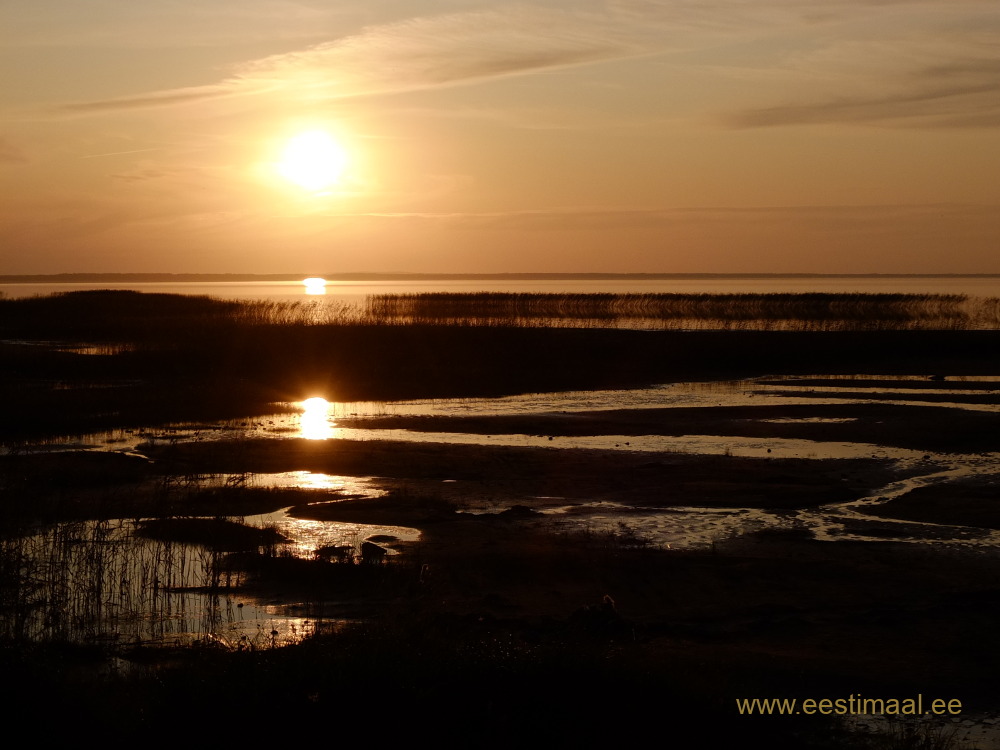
(151, 277)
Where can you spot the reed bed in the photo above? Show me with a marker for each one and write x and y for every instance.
(811, 311)
(102, 316)
(94, 582)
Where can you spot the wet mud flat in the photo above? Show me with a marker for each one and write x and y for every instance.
(522, 623)
(918, 426)
(539, 477)
(974, 501)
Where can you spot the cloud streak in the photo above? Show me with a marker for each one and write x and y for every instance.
(409, 55)
(921, 78)
(920, 74)
(594, 218)
(155, 99)
(969, 105)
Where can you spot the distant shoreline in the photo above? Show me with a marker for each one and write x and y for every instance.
(141, 278)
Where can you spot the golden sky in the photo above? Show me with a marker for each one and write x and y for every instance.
(269, 136)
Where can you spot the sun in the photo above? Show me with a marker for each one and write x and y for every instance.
(312, 160)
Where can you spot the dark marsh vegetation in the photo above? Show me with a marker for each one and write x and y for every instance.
(85, 360)
(746, 311)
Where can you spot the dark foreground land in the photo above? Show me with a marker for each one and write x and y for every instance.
(119, 359)
(500, 626)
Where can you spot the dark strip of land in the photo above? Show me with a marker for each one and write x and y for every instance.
(174, 369)
(928, 428)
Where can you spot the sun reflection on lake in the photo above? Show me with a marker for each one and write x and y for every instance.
(314, 285)
(316, 423)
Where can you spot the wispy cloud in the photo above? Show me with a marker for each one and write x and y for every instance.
(120, 153)
(632, 218)
(53, 24)
(945, 77)
(413, 54)
(917, 60)
(442, 50)
(972, 104)
(141, 175)
(153, 99)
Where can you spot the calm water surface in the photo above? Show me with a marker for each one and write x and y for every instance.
(354, 292)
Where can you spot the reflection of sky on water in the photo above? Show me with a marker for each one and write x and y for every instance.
(309, 535)
(310, 480)
(687, 527)
(306, 535)
(314, 285)
(95, 579)
(672, 528)
(315, 419)
(355, 291)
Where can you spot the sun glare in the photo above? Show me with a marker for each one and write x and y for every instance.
(314, 285)
(315, 421)
(312, 160)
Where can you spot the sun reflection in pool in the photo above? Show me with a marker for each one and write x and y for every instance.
(316, 423)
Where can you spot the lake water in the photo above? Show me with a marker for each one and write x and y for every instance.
(355, 292)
